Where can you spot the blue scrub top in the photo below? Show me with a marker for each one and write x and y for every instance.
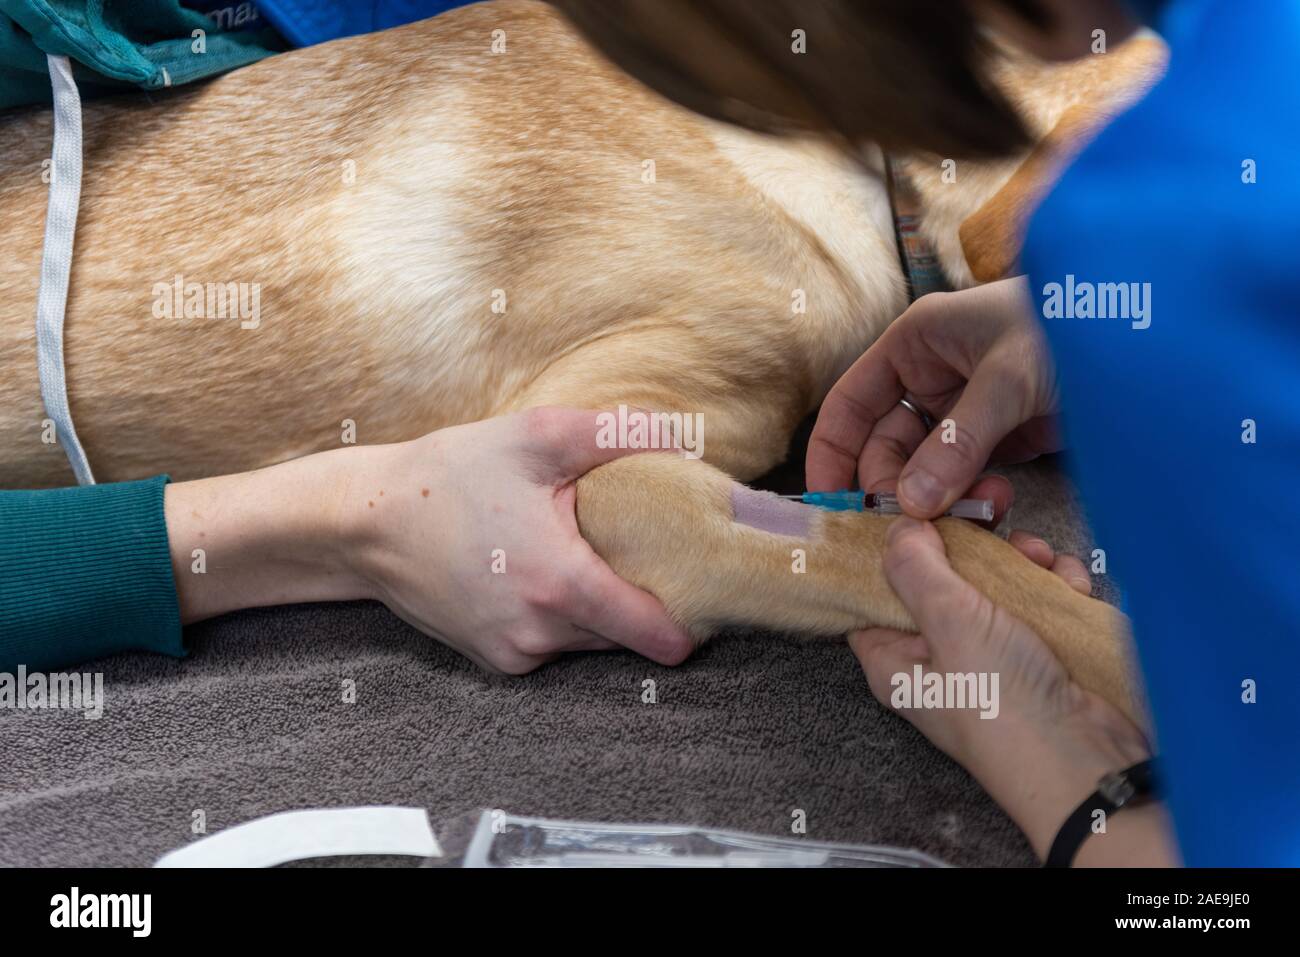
(1185, 432)
(304, 22)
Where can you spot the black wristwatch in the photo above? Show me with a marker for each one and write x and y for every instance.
(1114, 791)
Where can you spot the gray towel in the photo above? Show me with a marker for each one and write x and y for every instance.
(752, 729)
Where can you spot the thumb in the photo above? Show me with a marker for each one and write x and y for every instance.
(942, 603)
(953, 455)
(626, 615)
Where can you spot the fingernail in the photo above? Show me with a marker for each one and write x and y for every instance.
(921, 489)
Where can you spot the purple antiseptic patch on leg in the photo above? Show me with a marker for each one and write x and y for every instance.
(770, 513)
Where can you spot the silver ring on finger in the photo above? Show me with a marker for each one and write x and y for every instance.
(920, 413)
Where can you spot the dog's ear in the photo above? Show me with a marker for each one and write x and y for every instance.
(991, 238)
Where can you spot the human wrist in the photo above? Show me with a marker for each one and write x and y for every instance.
(364, 514)
(1053, 768)
(267, 537)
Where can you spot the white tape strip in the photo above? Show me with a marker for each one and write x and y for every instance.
(56, 262)
(321, 832)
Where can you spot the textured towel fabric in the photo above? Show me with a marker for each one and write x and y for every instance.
(751, 729)
(85, 572)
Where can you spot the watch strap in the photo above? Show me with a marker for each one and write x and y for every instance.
(1114, 791)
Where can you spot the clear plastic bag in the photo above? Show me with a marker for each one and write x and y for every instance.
(498, 839)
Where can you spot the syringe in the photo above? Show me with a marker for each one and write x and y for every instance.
(886, 503)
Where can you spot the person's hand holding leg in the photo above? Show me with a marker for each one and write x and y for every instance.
(468, 533)
(1051, 741)
(490, 560)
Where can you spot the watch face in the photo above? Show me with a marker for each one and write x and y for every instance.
(1116, 788)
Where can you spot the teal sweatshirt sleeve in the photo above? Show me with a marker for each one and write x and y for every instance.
(85, 572)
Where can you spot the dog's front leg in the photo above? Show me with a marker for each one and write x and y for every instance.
(717, 553)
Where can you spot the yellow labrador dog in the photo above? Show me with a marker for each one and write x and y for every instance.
(418, 228)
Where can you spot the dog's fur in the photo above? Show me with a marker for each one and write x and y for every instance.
(520, 172)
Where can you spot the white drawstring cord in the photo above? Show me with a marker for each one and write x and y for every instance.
(56, 262)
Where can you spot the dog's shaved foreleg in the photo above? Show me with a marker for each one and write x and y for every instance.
(716, 553)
